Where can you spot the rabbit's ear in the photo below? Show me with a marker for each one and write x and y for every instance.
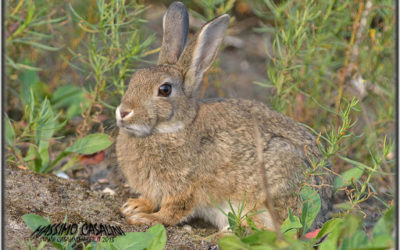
(175, 33)
(201, 52)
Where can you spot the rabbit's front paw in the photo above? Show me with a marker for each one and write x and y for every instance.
(135, 206)
(142, 219)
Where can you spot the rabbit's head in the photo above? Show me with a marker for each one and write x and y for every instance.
(163, 98)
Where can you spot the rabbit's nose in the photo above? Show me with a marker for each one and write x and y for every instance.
(123, 114)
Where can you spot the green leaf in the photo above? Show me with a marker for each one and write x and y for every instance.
(30, 106)
(260, 237)
(160, 237)
(311, 206)
(263, 247)
(357, 240)
(91, 144)
(383, 229)
(132, 241)
(67, 95)
(329, 226)
(357, 163)
(33, 221)
(41, 245)
(28, 67)
(331, 242)
(251, 223)
(32, 158)
(48, 21)
(232, 221)
(232, 243)
(351, 224)
(382, 242)
(70, 97)
(384, 224)
(347, 176)
(291, 222)
(344, 206)
(10, 133)
(45, 127)
(29, 79)
(37, 45)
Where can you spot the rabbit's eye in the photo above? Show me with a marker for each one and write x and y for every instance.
(165, 90)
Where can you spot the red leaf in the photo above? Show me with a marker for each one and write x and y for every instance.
(93, 159)
(312, 234)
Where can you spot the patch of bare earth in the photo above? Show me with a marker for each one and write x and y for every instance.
(50, 196)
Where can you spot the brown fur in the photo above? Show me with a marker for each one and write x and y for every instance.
(213, 150)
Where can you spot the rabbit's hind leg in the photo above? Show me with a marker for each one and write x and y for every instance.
(134, 206)
(174, 209)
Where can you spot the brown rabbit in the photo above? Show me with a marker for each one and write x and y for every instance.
(177, 151)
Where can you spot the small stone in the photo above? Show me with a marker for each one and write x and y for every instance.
(109, 191)
(102, 181)
(188, 228)
(62, 175)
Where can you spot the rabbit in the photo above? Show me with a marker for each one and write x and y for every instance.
(188, 156)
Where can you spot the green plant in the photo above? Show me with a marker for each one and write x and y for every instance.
(213, 8)
(28, 28)
(322, 52)
(237, 218)
(67, 100)
(337, 233)
(41, 124)
(361, 190)
(347, 233)
(325, 52)
(115, 47)
(35, 136)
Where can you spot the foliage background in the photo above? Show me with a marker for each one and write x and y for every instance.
(68, 62)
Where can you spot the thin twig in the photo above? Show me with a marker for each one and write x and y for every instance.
(268, 199)
(17, 8)
(345, 68)
(318, 186)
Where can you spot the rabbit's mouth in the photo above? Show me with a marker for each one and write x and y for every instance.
(136, 130)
